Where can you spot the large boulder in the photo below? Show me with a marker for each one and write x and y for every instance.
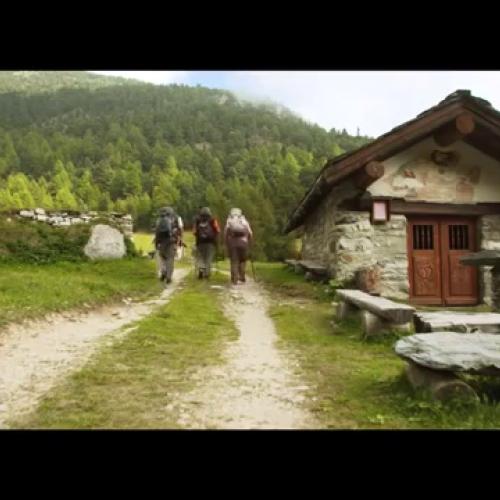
(476, 353)
(105, 242)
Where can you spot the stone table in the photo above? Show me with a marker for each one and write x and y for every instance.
(435, 358)
(487, 258)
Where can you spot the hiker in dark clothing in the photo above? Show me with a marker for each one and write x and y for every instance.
(206, 230)
(237, 236)
(167, 236)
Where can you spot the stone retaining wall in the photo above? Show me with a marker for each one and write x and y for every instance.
(68, 218)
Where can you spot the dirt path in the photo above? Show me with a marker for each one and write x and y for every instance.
(35, 356)
(256, 388)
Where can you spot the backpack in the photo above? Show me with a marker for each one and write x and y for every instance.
(165, 227)
(205, 231)
(236, 226)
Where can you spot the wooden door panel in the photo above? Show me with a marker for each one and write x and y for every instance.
(426, 276)
(424, 263)
(461, 278)
(458, 238)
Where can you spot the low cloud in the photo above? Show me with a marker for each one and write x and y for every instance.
(374, 101)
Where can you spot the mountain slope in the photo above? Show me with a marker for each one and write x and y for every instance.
(132, 146)
(35, 82)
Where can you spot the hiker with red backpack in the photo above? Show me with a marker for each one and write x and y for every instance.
(237, 236)
(167, 236)
(206, 230)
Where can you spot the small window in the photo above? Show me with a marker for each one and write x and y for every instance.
(458, 235)
(423, 237)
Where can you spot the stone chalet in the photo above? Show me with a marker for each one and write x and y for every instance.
(404, 208)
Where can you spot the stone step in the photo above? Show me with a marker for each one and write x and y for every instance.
(457, 321)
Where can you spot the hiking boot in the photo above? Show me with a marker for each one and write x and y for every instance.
(169, 280)
(200, 275)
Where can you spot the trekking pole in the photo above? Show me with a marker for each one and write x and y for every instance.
(253, 270)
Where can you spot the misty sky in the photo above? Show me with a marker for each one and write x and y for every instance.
(374, 101)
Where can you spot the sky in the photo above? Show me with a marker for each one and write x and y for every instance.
(373, 101)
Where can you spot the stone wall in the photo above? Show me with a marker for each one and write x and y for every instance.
(320, 227)
(346, 241)
(61, 218)
(489, 235)
(358, 244)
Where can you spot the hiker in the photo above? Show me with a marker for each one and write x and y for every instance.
(237, 236)
(167, 235)
(206, 230)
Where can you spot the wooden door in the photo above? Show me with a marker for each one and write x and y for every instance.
(458, 238)
(435, 245)
(424, 261)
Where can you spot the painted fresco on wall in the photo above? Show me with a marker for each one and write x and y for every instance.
(421, 180)
(461, 175)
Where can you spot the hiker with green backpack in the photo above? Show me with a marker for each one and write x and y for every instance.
(206, 231)
(167, 237)
(238, 237)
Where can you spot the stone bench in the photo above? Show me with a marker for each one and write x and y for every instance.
(294, 265)
(464, 322)
(435, 358)
(314, 270)
(378, 314)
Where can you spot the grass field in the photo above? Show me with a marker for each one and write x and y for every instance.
(28, 291)
(357, 383)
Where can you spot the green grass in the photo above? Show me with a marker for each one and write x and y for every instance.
(28, 290)
(359, 383)
(131, 383)
(283, 281)
(143, 242)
